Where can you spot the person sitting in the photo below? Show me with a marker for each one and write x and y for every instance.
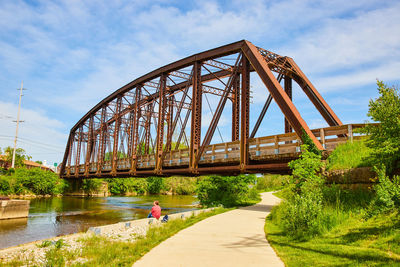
(155, 211)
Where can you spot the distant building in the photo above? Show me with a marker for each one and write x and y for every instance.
(28, 164)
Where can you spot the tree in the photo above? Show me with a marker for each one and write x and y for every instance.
(20, 156)
(384, 138)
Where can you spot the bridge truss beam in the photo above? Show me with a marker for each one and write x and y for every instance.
(142, 127)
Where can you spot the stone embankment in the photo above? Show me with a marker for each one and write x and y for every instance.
(33, 254)
(11, 209)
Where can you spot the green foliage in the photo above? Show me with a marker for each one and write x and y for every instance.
(301, 213)
(387, 198)
(45, 244)
(384, 138)
(181, 185)
(270, 182)
(349, 155)
(155, 184)
(5, 187)
(226, 190)
(91, 185)
(121, 186)
(20, 156)
(310, 144)
(306, 169)
(34, 180)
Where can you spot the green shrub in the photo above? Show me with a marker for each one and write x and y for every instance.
(36, 180)
(5, 187)
(181, 185)
(301, 215)
(269, 182)
(306, 169)
(121, 186)
(226, 190)
(387, 194)
(155, 184)
(384, 139)
(91, 185)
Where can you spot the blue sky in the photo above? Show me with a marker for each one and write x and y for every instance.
(72, 54)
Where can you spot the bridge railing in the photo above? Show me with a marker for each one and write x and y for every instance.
(260, 149)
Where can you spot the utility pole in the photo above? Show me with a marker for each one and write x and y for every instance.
(16, 131)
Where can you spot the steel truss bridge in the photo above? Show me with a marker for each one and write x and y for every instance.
(152, 126)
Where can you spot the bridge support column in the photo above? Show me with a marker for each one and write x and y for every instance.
(117, 127)
(162, 103)
(236, 109)
(245, 114)
(89, 146)
(288, 90)
(102, 141)
(134, 135)
(195, 127)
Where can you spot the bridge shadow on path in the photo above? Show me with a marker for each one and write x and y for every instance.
(246, 242)
(258, 207)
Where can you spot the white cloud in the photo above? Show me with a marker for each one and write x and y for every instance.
(42, 137)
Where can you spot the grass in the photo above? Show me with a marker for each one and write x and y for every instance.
(270, 182)
(349, 155)
(102, 251)
(347, 240)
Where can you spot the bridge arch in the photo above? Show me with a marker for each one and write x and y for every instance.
(152, 125)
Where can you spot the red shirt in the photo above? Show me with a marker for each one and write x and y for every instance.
(156, 211)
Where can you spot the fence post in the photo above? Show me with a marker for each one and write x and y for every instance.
(350, 132)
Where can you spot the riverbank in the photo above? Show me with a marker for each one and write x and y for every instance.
(78, 248)
(56, 216)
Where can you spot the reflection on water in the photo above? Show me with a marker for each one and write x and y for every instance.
(49, 217)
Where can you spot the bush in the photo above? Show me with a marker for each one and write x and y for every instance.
(268, 183)
(384, 139)
(306, 169)
(181, 185)
(155, 184)
(38, 181)
(121, 186)
(387, 194)
(226, 190)
(5, 187)
(91, 185)
(301, 215)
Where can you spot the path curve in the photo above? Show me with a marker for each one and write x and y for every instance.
(234, 238)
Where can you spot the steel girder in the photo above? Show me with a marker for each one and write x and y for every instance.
(149, 116)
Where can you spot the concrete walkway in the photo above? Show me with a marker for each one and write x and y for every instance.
(234, 238)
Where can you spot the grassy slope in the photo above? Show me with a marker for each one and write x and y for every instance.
(349, 155)
(355, 242)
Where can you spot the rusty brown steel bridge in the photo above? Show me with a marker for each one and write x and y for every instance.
(141, 129)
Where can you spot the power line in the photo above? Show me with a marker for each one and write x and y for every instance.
(33, 144)
(27, 139)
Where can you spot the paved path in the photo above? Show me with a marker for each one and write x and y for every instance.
(234, 238)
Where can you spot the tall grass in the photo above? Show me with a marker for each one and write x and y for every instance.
(271, 182)
(349, 155)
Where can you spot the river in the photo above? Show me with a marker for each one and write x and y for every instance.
(50, 217)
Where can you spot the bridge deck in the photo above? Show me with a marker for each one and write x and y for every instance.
(267, 154)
